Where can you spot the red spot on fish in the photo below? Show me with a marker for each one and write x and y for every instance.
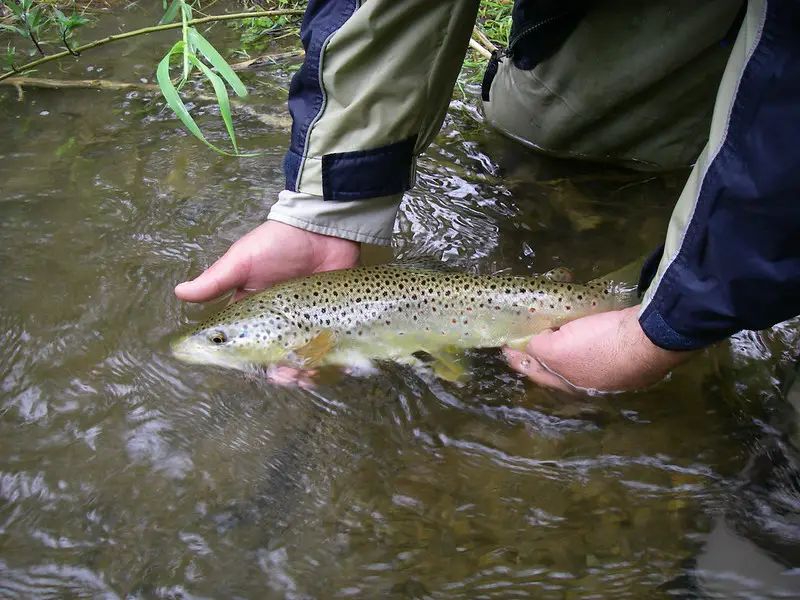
(594, 303)
(497, 308)
(388, 322)
(531, 309)
(469, 308)
(566, 308)
(454, 320)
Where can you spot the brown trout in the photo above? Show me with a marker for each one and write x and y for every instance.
(352, 317)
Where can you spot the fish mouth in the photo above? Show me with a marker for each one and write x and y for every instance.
(193, 351)
(183, 349)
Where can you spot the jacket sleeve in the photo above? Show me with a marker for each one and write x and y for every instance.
(731, 260)
(370, 96)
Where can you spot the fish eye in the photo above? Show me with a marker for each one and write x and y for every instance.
(217, 337)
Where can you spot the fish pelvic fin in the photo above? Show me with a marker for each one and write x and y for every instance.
(310, 354)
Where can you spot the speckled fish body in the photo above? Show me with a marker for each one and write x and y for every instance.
(354, 316)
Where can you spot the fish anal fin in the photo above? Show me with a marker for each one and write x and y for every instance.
(449, 365)
(310, 354)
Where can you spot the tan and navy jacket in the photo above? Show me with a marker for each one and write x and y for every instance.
(374, 89)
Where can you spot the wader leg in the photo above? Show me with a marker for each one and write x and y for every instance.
(634, 83)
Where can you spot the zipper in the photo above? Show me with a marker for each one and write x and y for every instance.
(530, 29)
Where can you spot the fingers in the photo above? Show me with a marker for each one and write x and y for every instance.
(228, 273)
(287, 376)
(542, 345)
(527, 365)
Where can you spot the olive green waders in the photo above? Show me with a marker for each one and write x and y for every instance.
(634, 83)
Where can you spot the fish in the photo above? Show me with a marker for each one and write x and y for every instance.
(354, 317)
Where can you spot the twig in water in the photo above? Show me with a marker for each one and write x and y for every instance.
(487, 43)
(479, 49)
(282, 122)
(266, 59)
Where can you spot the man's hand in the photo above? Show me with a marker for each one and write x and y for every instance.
(271, 253)
(605, 352)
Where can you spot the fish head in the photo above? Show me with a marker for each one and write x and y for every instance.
(235, 343)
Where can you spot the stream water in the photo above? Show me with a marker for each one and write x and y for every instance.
(126, 474)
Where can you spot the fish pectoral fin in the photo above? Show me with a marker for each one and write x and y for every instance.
(310, 354)
(560, 274)
(450, 366)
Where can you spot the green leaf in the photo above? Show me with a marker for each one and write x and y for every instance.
(222, 98)
(187, 44)
(36, 18)
(219, 63)
(171, 94)
(176, 104)
(187, 10)
(76, 20)
(26, 4)
(171, 12)
(22, 32)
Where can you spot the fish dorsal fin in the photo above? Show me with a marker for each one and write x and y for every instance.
(310, 354)
(428, 263)
(560, 274)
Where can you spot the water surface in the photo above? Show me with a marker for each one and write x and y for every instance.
(125, 474)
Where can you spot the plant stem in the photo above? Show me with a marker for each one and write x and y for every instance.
(185, 34)
(130, 34)
(35, 42)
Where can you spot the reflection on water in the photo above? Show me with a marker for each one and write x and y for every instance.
(126, 474)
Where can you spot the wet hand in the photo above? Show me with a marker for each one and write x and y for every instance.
(605, 352)
(271, 253)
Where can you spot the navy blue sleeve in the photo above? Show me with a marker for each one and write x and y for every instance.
(738, 264)
(322, 19)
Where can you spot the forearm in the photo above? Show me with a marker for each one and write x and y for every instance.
(731, 260)
(370, 96)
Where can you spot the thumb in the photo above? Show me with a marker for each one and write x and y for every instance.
(228, 273)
